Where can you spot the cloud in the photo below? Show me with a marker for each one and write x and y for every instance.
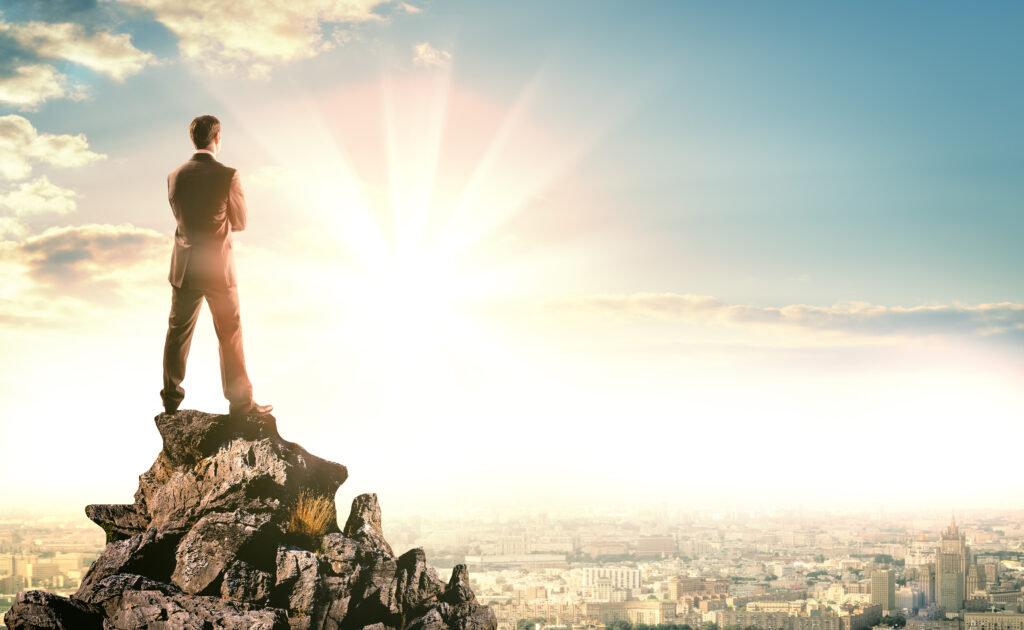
(408, 8)
(27, 80)
(428, 56)
(21, 144)
(11, 229)
(108, 53)
(224, 36)
(857, 318)
(38, 196)
(62, 256)
(49, 277)
(31, 85)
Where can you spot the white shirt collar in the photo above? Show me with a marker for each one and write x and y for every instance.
(205, 151)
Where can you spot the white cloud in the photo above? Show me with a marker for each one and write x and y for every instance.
(408, 8)
(111, 54)
(21, 144)
(30, 85)
(12, 229)
(48, 277)
(38, 196)
(223, 36)
(855, 318)
(428, 56)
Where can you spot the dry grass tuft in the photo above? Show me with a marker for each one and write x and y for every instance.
(311, 516)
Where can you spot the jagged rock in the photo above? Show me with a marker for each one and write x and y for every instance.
(149, 554)
(213, 463)
(118, 521)
(204, 547)
(336, 593)
(216, 540)
(416, 582)
(297, 578)
(375, 594)
(155, 609)
(341, 552)
(39, 610)
(245, 583)
(429, 620)
(106, 595)
(364, 524)
(457, 609)
(458, 591)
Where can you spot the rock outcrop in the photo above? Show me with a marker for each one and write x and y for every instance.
(235, 527)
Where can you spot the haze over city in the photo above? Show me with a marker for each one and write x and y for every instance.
(573, 254)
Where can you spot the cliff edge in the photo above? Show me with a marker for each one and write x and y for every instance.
(234, 527)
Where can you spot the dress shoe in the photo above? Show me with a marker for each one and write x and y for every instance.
(252, 410)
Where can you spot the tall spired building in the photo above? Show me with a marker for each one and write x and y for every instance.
(951, 558)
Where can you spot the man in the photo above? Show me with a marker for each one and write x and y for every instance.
(207, 200)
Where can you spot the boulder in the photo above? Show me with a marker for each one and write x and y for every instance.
(222, 464)
(364, 524)
(157, 609)
(205, 546)
(215, 542)
(298, 575)
(149, 554)
(39, 610)
(118, 521)
(416, 582)
(245, 583)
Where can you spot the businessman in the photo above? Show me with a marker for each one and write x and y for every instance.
(208, 204)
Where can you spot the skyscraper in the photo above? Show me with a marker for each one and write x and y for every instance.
(951, 558)
(883, 589)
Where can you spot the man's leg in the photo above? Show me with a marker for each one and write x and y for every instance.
(185, 304)
(227, 321)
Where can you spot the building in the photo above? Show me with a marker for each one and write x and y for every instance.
(975, 580)
(649, 612)
(993, 621)
(926, 582)
(523, 561)
(951, 560)
(655, 546)
(680, 587)
(862, 618)
(920, 552)
(883, 589)
(619, 577)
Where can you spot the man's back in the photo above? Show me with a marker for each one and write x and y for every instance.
(208, 204)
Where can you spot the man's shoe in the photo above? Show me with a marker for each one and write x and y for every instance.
(252, 410)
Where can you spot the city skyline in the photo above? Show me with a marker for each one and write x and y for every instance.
(570, 254)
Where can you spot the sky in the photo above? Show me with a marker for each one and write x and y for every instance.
(532, 254)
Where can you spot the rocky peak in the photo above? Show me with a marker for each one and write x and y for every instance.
(211, 541)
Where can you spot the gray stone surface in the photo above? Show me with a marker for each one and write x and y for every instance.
(364, 524)
(245, 583)
(118, 521)
(39, 610)
(297, 578)
(214, 543)
(205, 545)
(156, 609)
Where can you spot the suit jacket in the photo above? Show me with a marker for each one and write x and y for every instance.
(207, 200)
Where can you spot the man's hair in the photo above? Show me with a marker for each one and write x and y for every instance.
(203, 130)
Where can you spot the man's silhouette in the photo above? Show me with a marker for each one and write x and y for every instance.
(208, 203)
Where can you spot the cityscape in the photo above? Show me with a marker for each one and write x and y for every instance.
(705, 569)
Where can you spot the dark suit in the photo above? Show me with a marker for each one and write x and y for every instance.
(208, 204)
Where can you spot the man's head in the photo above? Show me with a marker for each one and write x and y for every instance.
(205, 132)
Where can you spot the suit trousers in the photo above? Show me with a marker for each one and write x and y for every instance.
(227, 321)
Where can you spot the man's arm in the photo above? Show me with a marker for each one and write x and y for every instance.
(236, 204)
